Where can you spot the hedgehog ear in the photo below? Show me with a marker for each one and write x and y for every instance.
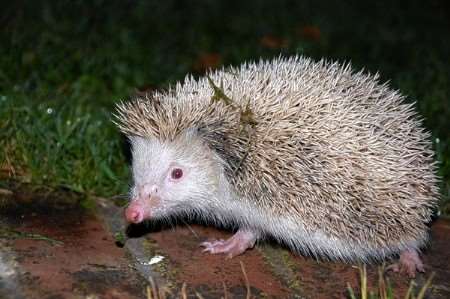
(217, 140)
(192, 132)
(211, 134)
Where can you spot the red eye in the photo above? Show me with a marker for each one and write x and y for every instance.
(176, 174)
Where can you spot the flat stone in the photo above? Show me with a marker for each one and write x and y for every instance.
(62, 250)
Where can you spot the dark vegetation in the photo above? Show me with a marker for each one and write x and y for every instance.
(63, 65)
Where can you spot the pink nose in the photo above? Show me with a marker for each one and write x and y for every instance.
(134, 215)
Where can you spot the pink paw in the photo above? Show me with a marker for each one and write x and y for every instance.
(236, 245)
(408, 263)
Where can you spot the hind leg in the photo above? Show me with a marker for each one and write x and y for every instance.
(408, 263)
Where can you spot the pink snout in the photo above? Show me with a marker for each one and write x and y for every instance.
(136, 212)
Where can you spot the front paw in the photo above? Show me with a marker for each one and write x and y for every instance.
(236, 245)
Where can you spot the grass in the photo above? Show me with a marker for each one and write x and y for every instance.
(60, 145)
(154, 291)
(384, 288)
(63, 65)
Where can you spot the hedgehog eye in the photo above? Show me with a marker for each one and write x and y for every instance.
(176, 174)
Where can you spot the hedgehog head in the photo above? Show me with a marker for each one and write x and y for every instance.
(171, 175)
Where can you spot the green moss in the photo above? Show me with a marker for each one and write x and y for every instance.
(164, 268)
(283, 267)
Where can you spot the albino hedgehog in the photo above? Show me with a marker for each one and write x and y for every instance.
(327, 161)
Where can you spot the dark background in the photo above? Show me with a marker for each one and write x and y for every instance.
(63, 65)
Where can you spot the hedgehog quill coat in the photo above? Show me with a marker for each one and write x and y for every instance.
(328, 161)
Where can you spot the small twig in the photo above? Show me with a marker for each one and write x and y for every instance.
(247, 284)
(149, 293)
(425, 287)
(199, 296)
(363, 281)
(381, 282)
(219, 94)
(246, 153)
(241, 161)
(350, 291)
(14, 234)
(153, 290)
(410, 290)
(225, 292)
(247, 117)
(247, 120)
(183, 291)
(191, 229)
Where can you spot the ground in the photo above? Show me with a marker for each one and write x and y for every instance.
(61, 245)
(65, 64)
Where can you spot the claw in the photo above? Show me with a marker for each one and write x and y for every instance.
(236, 245)
(408, 263)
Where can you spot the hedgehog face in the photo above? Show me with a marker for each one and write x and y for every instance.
(169, 176)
